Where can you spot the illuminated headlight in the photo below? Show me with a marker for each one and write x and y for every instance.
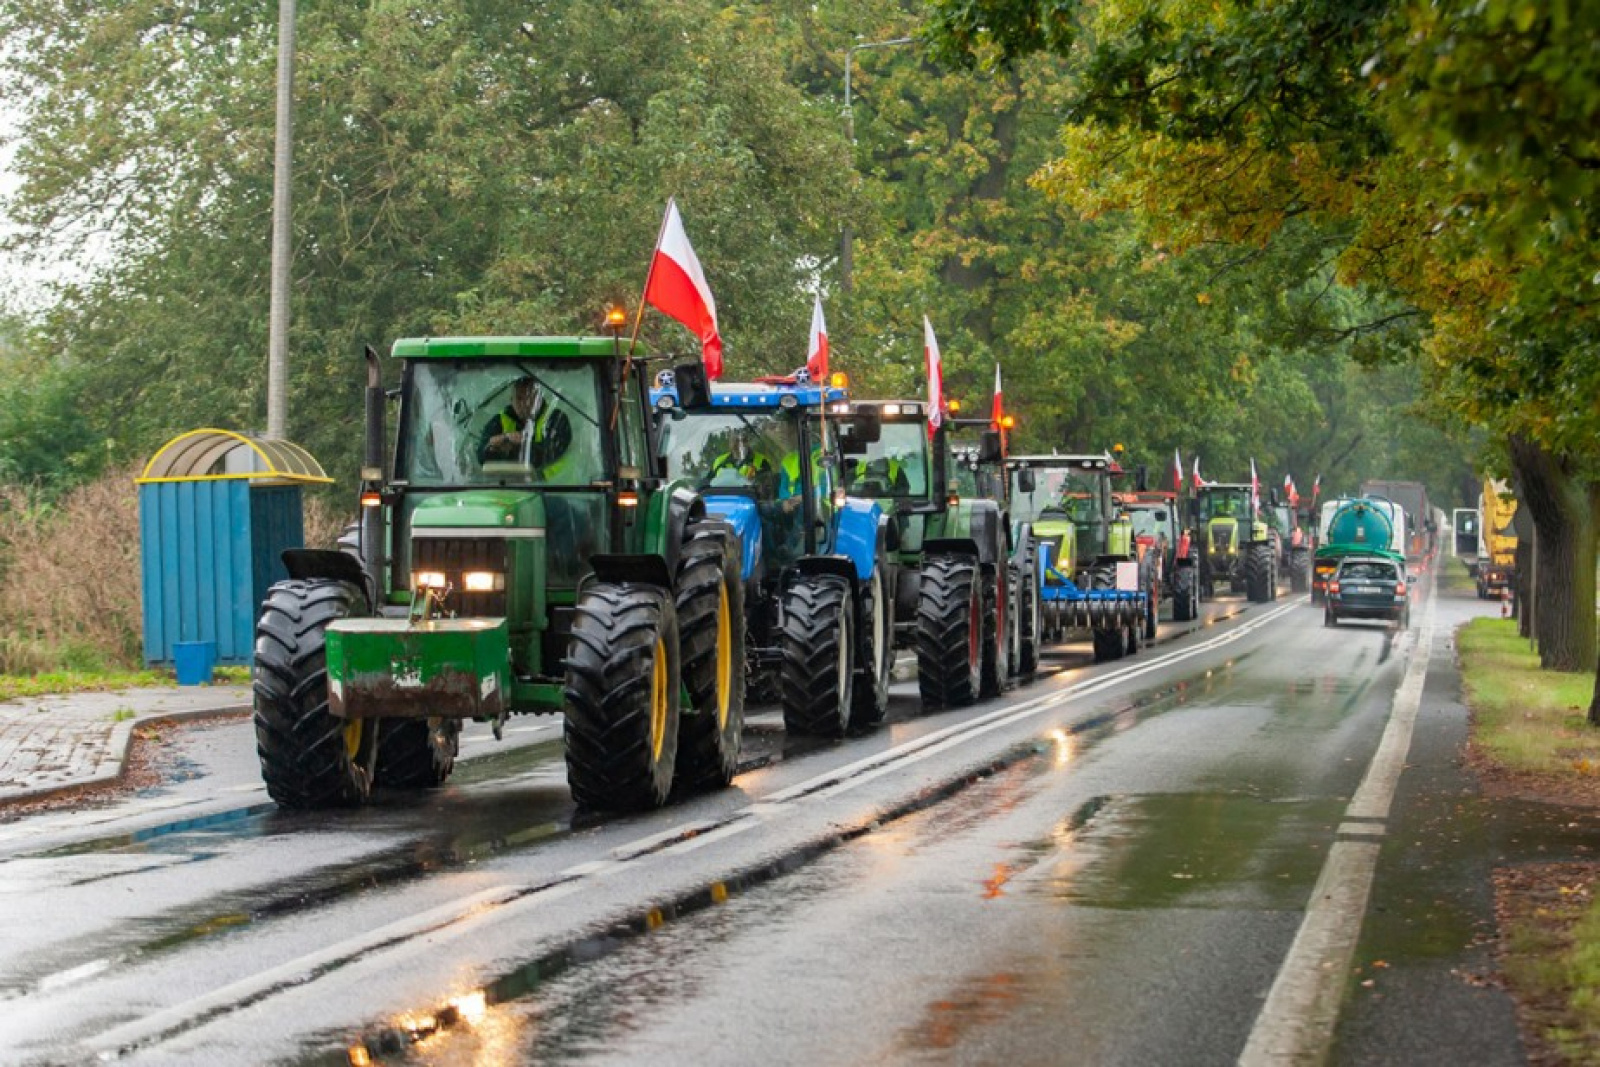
(891, 409)
(427, 580)
(483, 581)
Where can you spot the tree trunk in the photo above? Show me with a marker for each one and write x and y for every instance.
(1524, 562)
(1563, 507)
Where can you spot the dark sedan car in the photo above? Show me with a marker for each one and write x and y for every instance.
(1368, 588)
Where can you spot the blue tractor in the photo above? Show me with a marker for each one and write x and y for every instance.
(819, 584)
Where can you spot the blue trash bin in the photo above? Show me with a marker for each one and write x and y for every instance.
(194, 661)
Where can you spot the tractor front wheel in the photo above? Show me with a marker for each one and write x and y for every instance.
(1258, 573)
(1030, 624)
(309, 757)
(876, 656)
(996, 630)
(950, 631)
(816, 680)
(622, 698)
(711, 641)
(1185, 594)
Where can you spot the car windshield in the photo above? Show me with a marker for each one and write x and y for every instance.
(1060, 492)
(1376, 570)
(895, 465)
(749, 452)
(522, 422)
(1224, 504)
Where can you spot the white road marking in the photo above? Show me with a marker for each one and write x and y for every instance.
(1297, 1021)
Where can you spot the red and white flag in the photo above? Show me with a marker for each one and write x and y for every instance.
(1316, 487)
(997, 412)
(677, 288)
(1177, 471)
(935, 377)
(1199, 482)
(817, 350)
(1290, 491)
(1255, 487)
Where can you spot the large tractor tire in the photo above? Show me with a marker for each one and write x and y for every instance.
(1299, 569)
(949, 631)
(1258, 576)
(622, 691)
(309, 758)
(1030, 620)
(1186, 594)
(710, 607)
(875, 640)
(816, 679)
(999, 609)
(416, 753)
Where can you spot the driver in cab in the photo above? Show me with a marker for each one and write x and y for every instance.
(530, 429)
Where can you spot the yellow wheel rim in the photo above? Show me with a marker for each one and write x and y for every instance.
(658, 702)
(724, 657)
(352, 738)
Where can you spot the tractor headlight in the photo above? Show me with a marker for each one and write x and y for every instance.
(483, 581)
(428, 580)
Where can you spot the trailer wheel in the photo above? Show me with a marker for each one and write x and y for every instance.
(1258, 573)
(416, 753)
(309, 758)
(1030, 624)
(996, 630)
(1110, 644)
(815, 679)
(876, 657)
(711, 642)
(949, 631)
(622, 698)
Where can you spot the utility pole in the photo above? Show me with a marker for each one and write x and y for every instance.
(282, 247)
(847, 235)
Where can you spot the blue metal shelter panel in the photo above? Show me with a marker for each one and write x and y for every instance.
(195, 557)
(276, 523)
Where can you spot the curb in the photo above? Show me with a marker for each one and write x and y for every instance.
(114, 763)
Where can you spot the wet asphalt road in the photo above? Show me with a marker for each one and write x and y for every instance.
(1108, 866)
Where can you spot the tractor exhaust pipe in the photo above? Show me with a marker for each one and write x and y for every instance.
(372, 458)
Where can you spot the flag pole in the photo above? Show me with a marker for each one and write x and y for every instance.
(638, 315)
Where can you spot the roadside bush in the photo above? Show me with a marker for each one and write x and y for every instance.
(69, 578)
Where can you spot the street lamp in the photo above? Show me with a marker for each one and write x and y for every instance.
(282, 246)
(847, 235)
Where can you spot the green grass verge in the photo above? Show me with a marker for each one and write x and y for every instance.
(35, 685)
(1525, 718)
(1534, 720)
(1454, 577)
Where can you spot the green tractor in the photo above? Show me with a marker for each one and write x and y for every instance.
(1237, 543)
(956, 594)
(526, 555)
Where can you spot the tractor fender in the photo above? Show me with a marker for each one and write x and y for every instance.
(740, 513)
(684, 506)
(980, 521)
(951, 546)
(309, 564)
(860, 534)
(838, 566)
(642, 569)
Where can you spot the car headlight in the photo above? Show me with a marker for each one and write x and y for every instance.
(483, 581)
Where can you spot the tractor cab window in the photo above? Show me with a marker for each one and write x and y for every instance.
(1059, 493)
(895, 465)
(749, 453)
(1225, 504)
(502, 422)
(1149, 522)
(964, 471)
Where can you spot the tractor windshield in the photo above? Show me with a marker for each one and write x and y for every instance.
(895, 465)
(1060, 493)
(750, 453)
(1149, 522)
(501, 422)
(1225, 504)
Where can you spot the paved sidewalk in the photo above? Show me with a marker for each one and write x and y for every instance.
(53, 743)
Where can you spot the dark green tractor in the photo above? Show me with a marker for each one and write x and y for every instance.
(1237, 543)
(526, 554)
(955, 593)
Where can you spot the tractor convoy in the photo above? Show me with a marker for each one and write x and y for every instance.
(569, 524)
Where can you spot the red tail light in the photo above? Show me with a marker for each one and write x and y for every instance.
(1400, 589)
(1333, 587)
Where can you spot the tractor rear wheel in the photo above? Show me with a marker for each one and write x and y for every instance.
(1185, 594)
(621, 693)
(711, 641)
(1030, 624)
(950, 631)
(816, 679)
(875, 662)
(998, 608)
(416, 753)
(309, 757)
(1299, 569)
(1258, 573)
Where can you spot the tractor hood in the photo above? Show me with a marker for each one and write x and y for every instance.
(740, 512)
(481, 511)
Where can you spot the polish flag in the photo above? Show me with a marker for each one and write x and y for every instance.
(1316, 487)
(817, 351)
(1255, 487)
(1177, 471)
(935, 378)
(1199, 482)
(1289, 491)
(997, 412)
(677, 288)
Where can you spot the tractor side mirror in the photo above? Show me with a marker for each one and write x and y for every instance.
(858, 431)
(989, 448)
(694, 388)
(1026, 482)
(1142, 477)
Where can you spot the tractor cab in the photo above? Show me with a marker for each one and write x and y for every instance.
(1069, 502)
